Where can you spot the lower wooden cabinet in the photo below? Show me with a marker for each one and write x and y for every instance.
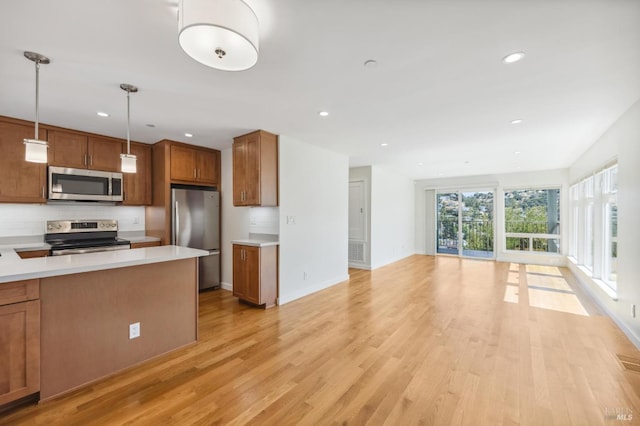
(255, 274)
(19, 340)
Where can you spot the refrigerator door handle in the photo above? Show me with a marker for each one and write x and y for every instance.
(176, 237)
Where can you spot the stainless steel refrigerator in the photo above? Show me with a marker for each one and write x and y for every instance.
(196, 224)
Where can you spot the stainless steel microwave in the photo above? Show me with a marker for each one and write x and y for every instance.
(84, 185)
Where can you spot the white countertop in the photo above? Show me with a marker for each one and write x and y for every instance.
(256, 242)
(12, 268)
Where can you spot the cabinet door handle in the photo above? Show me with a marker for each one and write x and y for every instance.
(85, 160)
(43, 194)
(195, 173)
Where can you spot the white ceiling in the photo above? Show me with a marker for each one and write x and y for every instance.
(440, 94)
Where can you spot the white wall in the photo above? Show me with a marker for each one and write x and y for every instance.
(499, 183)
(392, 217)
(314, 187)
(29, 219)
(622, 140)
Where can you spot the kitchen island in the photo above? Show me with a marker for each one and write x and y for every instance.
(90, 308)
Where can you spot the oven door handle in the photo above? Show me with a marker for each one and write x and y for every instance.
(89, 250)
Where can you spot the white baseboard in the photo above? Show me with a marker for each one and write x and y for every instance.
(297, 294)
(226, 286)
(360, 266)
(389, 261)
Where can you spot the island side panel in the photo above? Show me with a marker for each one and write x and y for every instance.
(86, 317)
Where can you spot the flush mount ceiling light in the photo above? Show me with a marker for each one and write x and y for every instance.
(102, 114)
(35, 149)
(323, 113)
(221, 34)
(384, 144)
(189, 135)
(128, 160)
(371, 63)
(517, 121)
(513, 57)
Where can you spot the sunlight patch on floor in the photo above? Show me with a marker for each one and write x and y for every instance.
(511, 294)
(544, 270)
(549, 290)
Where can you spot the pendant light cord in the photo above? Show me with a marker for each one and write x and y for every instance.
(37, 95)
(128, 123)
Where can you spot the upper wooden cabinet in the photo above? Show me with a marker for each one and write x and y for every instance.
(80, 151)
(194, 165)
(255, 169)
(20, 181)
(137, 186)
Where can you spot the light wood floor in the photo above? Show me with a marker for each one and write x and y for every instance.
(422, 341)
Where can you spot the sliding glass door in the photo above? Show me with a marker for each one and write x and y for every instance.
(465, 223)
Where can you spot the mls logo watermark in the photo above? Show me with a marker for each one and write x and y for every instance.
(620, 414)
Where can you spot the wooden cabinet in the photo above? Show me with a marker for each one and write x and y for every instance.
(255, 169)
(145, 244)
(20, 181)
(194, 165)
(176, 163)
(255, 276)
(33, 253)
(82, 151)
(19, 340)
(137, 186)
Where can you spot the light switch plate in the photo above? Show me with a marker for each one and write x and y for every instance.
(134, 330)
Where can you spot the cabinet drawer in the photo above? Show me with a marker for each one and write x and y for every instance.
(19, 291)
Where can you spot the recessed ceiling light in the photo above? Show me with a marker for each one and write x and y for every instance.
(517, 152)
(189, 135)
(384, 144)
(517, 121)
(323, 113)
(102, 114)
(151, 125)
(371, 63)
(513, 57)
(420, 164)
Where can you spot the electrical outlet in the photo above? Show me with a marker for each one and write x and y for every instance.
(291, 220)
(633, 311)
(305, 275)
(134, 330)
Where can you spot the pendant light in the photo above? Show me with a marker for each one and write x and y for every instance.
(35, 149)
(221, 34)
(128, 160)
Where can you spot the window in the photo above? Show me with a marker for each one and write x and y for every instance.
(594, 228)
(532, 220)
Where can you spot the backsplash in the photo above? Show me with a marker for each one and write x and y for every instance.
(264, 220)
(29, 219)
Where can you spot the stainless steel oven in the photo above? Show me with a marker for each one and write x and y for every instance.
(83, 236)
(84, 185)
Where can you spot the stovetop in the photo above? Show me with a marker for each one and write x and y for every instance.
(78, 234)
